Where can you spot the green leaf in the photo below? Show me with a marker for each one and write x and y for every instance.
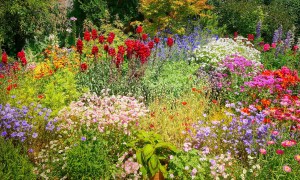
(139, 157)
(166, 145)
(153, 165)
(148, 151)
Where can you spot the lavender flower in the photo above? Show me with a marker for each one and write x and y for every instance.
(258, 28)
(275, 36)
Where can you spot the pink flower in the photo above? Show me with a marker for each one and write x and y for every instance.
(263, 151)
(295, 48)
(279, 152)
(288, 143)
(287, 168)
(275, 133)
(273, 45)
(297, 157)
(266, 47)
(270, 142)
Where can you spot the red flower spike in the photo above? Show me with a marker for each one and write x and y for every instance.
(83, 67)
(95, 50)
(87, 35)
(110, 38)
(79, 46)
(170, 42)
(250, 37)
(4, 58)
(112, 52)
(139, 29)
(21, 54)
(144, 37)
(151, 44)
(121, 50)
(106, 47)
(24, 61)
(101, 39)
(94, 34)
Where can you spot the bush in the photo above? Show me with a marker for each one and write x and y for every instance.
(22, 20)
(14, 164)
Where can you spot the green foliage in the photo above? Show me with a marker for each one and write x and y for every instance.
(151, 152)
(23, 20)
(272, 61)
(194, 161)
(55, 91)
(272, 163)
(170, 14)
(236, 17)
(14, 164)
(170, 79)
(125, 9)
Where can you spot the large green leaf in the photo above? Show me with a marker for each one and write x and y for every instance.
(153, 165)
(148, 151)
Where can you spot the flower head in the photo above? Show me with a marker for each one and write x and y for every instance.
(263, 151)
(266, 47)
(287, 168)
(87, 35)
(4, 58)
(79, 46)
(139, 29)
(94, 34)
(279, 152)
(170, 42)
(83, 67)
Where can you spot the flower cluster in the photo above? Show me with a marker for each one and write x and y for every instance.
(216, 51)
(102, 111)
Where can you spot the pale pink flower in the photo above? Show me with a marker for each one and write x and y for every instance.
(263, 151)
(287, 168)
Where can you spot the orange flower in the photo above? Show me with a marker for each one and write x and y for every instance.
(214, 101)
(41, 96)
(265, 102)
(151, 126)
(246, 110)
(194, 89)
(258, 107)
(184, 103)
(267, 120)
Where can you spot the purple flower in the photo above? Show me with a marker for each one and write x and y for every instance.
(35, 135)
(83, 138)
(4, 133)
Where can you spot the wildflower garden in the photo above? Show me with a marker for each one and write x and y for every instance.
(149, 89)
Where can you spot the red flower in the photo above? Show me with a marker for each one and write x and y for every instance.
(83, 67)
(119, 60)
(235, 34)
(110, 37)
(94, 34)
(214, 101)
(151, 44)
(170, 42)
(121, 50)
(184, 103)
(87, 35)
(130, 46)
(194, 89)
(144, 37)
(24, 61)
(4, 58)
(112, 52)
(2, 76)
(139, 29)
(95, 50)
(21, 54)
(79, 46)
(156, 40)
(151, 126)
(295, 48)
(101, 39)
(142, 51)
(106, 47)
(267, 120)
(250, 37)
(16, 66)
(279, 152)
(41, 96)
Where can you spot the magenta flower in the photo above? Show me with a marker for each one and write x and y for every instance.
(266, 47)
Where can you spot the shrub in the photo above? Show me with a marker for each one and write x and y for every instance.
(160, 15)
(23, 20)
